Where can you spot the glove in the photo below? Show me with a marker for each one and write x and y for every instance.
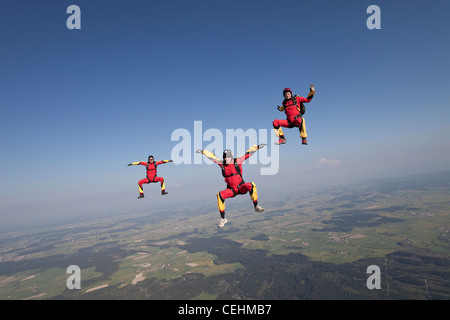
(262, 145)
(170, 161)
(199, 151)
(311, 88)
(130, 164)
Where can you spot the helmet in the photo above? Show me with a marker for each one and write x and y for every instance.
(227, 153)
(150, 156)
(286, 90)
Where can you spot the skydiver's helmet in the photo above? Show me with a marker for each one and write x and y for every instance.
(287, 90)
(227, 154)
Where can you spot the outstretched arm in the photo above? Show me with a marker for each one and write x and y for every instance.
(211, 156)
(162, 161)
(250, 152)
(135, 163)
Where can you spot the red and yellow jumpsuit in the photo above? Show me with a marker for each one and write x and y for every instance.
(232, 173)
(151, 174)
(292, 109)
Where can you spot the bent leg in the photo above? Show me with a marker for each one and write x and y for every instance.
(161, 180)
(251, 188)
(300, 123)
(277, 124)
(281, 123)
(140, 183)
(221, 196)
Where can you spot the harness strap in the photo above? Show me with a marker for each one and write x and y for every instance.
(148, 164)
(238, 186)
(300, 108)
(236, 166)
(230, 175)
(238, 172)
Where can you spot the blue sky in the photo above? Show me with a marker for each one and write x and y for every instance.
(78, 105)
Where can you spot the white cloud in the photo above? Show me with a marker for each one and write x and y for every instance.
(328, 163)
(322, 163)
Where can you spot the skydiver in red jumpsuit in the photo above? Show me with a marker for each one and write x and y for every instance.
(151, 174)
(294, 109)
(232, 172)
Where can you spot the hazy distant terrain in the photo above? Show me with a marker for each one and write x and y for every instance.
(314, 245)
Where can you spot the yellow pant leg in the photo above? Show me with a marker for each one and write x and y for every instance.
(278, 132)
(254, 193)
(303, 134)
(220, 203)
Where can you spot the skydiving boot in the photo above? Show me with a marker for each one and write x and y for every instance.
(304, 141)
(259, 209)
(164, 192)
(141, 195)
(222, 222)
(282, 140)
(279, 133)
